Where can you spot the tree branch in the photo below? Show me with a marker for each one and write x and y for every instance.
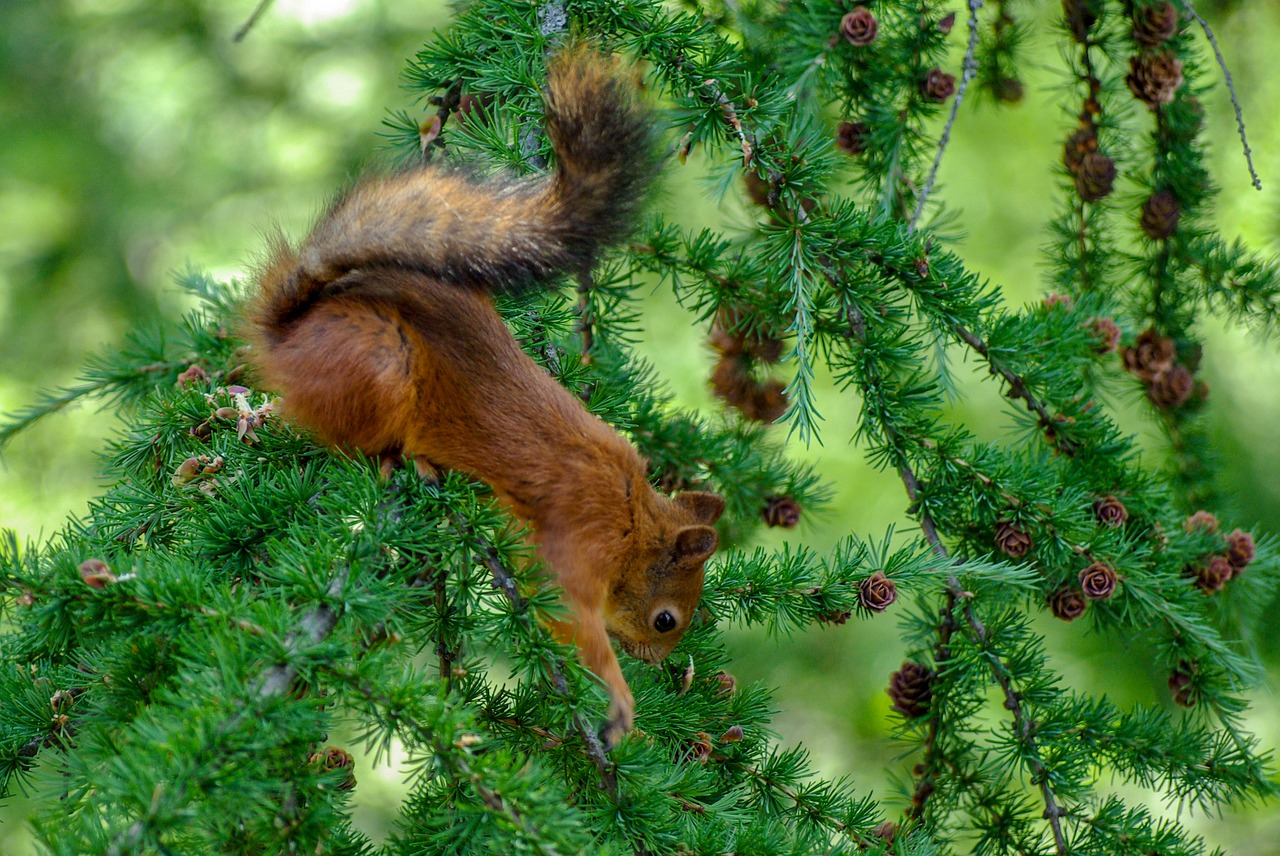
(313, 627)
(1018, 389)
(1024, 726)
(451, 757)
(1231, 88)
(243, 29)
(970, 67)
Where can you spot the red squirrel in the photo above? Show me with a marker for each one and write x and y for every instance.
(380, 333)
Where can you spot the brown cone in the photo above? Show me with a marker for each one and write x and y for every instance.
(781, 511)
(1172, 388)
(1150, 356)
(1011, 540)
(1108, 334)
(851, 137)
(1098, 581)
(1154, 78)
(1201, 520)
(1096, 176)
(938, 86)
(877, 592)
(1110, 511)
(1010, 90)
(1154, 25)
(911, 688)
(1211, 576)
(1079, 144)
(1240, 550)
(1160, 214)
(1181, 685)
(1067, 603)
(859, 27)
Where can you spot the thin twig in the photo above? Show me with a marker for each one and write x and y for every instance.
(55, 401)
(731, 115)
(802, 799)
(1025, 726)
(1231, 88)
(448, 755)
(970, 68)
(1018, 389)
(941, 654)
(586, 323)
(253, 19)
(446, 654)
(1089, 110)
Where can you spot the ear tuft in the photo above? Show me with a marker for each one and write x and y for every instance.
(705, 507)
(696, 543)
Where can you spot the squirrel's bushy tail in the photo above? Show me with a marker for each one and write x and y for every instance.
(500, 234)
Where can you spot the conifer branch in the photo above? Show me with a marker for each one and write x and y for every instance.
(1089, 111)
(453, 758)
(730, 113)
(312, 628)
(102, 383)
(446, 654)
(1024, 726)
(1018, 388)
(586, 323)
(1231, 89)
(858, 287)
(969, 68)
(802, 800)
(941, 655)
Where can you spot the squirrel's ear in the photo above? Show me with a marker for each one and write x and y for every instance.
(705, 507)
(696, 543)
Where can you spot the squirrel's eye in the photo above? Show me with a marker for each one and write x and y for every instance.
(664, 621)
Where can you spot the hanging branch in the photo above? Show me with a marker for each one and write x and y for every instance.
(452, 757)
(1024, 725)
(970, 67)
(1018, 389)
(1231, 88)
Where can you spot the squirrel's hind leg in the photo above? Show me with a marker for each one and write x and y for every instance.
(388, 462)
(426, 470)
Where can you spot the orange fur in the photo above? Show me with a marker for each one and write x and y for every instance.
(380, 342)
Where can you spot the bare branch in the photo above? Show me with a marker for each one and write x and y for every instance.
(1231, 88)
(257, 13)
(970, 67)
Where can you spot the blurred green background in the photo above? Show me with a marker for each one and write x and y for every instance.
(136, 139)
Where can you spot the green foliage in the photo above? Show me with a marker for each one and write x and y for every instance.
(182, 655)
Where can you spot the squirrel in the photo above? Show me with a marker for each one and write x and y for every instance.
(380, 333)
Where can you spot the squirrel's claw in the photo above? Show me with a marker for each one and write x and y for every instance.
(621, 718)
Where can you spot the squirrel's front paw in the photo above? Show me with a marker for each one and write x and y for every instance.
(621, 718)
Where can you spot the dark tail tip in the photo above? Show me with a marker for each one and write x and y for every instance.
(604, 136)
